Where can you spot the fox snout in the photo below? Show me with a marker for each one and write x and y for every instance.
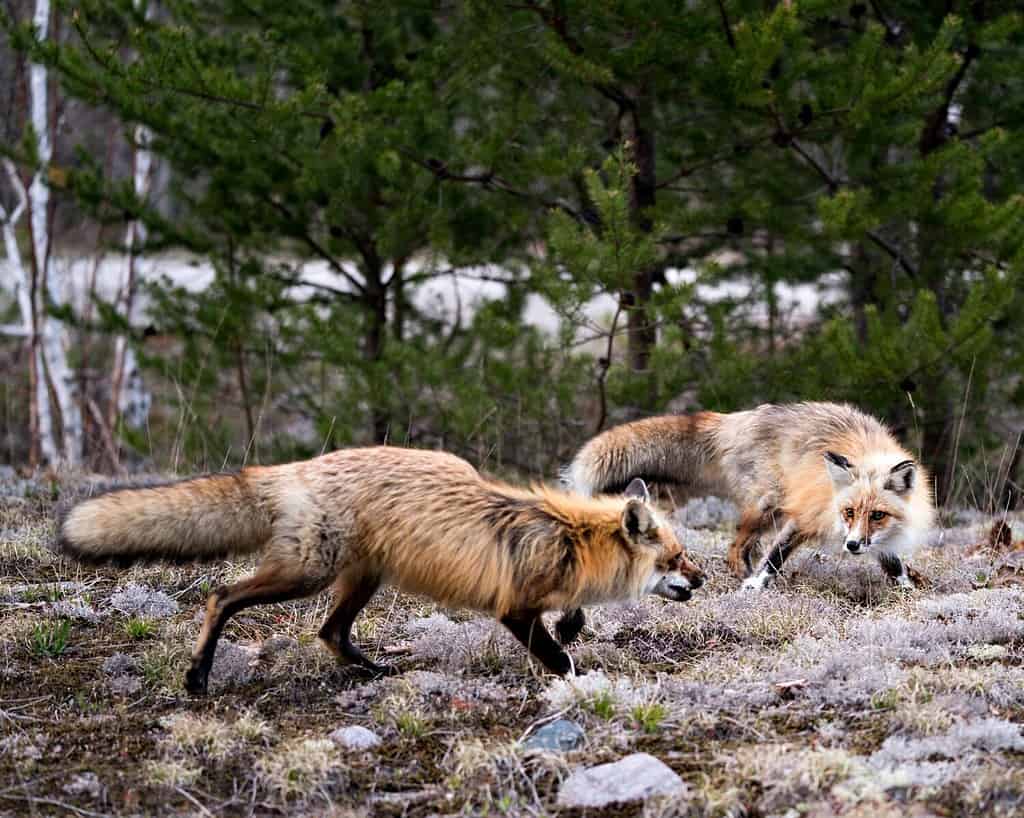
(857, 546)
(679, 583)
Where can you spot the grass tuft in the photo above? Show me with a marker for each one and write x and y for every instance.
(50, 639)
(138, 628)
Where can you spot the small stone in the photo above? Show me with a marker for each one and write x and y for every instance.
(144, 602)
(125, 685)
(986, 652)
(560, 736)
(120, 664)
(636, 777)
(233, 665)
(355, 737)
(84, 784)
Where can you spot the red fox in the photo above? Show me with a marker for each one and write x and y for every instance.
(805, 471)
(424, 521)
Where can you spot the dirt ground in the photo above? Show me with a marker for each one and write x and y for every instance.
(832, 694)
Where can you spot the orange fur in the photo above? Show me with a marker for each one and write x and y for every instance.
(770, 460)
(424, 521)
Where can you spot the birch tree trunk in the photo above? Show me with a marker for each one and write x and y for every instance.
(128, 396)
(50, 372)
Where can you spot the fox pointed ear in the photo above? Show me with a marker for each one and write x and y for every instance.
(638, 489)
(839, 469)
(637, 519)
(901, 477)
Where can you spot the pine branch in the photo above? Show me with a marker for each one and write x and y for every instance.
(834, 184)
(559, 24)
(491, 181)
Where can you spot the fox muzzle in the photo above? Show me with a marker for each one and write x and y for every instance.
(857, 546)
(675, 587)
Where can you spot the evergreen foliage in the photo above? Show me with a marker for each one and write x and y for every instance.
(698, 166)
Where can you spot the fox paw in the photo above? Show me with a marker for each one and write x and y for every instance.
(755, 583)
(904, 583)
(195, 682)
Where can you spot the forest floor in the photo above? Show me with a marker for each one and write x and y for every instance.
(831, 694)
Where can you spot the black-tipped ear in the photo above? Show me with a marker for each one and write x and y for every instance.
(839, 469)
(638, 489)
(901, 477)
(637, 519)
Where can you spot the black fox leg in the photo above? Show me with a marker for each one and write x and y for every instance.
(895, 569)
(785, 543)
(569, 626)
(271, 583)
(336, 632)
(528, 628)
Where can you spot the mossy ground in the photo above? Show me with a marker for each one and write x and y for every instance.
(770, 704)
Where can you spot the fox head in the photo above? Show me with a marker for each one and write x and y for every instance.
(674, 575)
(872, 502)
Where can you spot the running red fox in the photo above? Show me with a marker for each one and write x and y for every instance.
(426, 522)
(805, 471)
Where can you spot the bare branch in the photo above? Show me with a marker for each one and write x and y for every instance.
(934, 135)
(725, 25)
(19, 191)
(834, 184)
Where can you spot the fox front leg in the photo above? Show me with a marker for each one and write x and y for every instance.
(784, 544)
(570, 625)
(528, 628)
(896, 570)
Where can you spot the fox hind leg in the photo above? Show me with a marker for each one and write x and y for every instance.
(272, 582)
(353, 593)
(748, 533)
(528, 628)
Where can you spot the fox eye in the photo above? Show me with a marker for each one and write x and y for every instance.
(877, 515)
(848, 513)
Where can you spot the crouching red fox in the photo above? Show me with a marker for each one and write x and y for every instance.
(426, 522)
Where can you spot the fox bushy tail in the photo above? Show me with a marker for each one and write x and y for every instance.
(203, 518)
(668, 448)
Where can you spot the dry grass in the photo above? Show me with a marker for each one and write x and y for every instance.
(834, 694)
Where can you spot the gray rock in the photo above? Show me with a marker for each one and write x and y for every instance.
(233, 665)
(84, 784)
(141, 601)
(277, 644)
(125, 685)
(706, 512)
(120, 664)
(636, 777)
(558, 736)
(355, 738)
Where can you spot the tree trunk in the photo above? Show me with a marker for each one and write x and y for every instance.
(863, 278)
(397, 287)
(375, 307)
(642, 334)
(56, 374)
(128, 395)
